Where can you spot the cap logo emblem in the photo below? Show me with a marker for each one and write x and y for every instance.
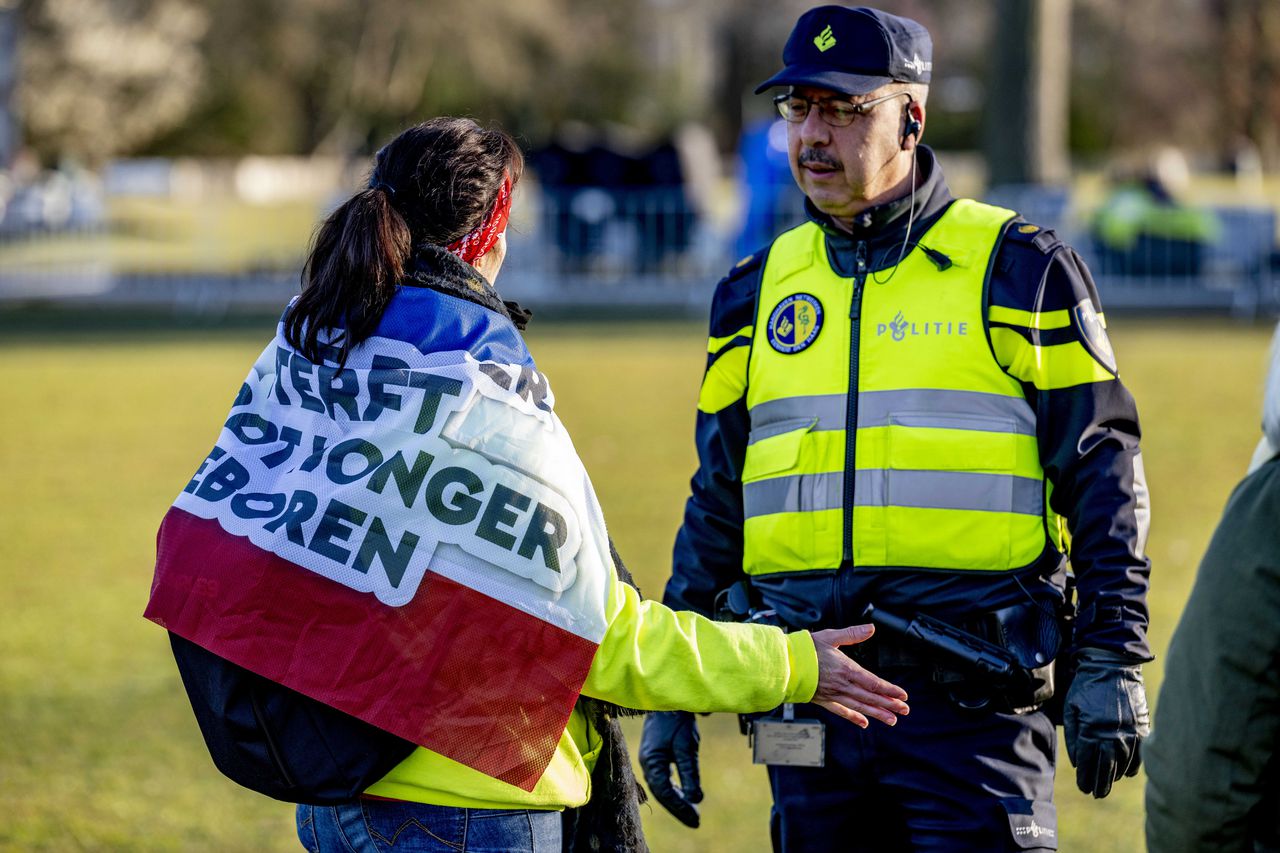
(918, 65)
(825, 40)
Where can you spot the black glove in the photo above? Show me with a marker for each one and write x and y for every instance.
(1105, 719)
(671, 737)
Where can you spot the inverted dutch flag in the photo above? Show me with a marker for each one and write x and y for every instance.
(412, 540)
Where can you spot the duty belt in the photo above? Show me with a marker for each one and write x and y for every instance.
(1004, 661)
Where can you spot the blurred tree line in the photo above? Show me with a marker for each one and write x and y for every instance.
(102, 78)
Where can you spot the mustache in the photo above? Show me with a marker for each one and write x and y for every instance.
(815, 155)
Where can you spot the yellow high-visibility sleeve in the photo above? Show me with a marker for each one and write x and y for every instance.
(659, 659)
(724, 382)
(651, 658)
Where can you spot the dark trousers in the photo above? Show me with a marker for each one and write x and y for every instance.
(942, 779)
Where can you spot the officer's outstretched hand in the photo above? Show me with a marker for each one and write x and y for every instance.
(1104, 720)
(846, 689)
(671, 737)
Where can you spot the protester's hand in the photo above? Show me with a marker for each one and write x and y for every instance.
(671, 737)
(848, 690)
(1104, 720)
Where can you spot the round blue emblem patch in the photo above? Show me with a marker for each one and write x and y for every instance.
(794, 323)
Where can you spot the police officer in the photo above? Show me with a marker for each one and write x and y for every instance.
(910, 402)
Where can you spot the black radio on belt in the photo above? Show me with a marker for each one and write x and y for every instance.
(741, 603)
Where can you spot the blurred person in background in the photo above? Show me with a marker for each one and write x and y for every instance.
(1144, 228)
(911, 402)
(767, 185)
(1213, 784)
(487, 629)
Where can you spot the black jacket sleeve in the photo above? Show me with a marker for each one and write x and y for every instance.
(708, 549)
(1048, 331)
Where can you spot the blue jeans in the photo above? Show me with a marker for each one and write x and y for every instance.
(375, 826)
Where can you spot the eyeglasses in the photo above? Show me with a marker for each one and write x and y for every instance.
(836, 112)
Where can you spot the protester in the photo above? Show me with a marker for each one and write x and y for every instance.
(395, 523)
(909, 401)
(1212, 781)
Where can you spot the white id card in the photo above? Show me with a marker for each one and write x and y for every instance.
(790, 743)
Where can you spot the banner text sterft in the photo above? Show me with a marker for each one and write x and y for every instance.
(395, 487)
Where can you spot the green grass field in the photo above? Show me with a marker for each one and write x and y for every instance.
(102, 423)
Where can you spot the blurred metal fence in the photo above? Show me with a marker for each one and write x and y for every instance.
(1239, 272)
(591, 247)
(598, 248)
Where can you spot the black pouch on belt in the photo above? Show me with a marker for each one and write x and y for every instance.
(1033, 635)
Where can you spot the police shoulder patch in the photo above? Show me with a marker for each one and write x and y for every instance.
(794, 323)
(1094, 333)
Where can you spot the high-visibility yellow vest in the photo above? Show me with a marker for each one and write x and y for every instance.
(944, 470)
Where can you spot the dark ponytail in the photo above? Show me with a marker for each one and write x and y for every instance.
(358, 256)
(433, 183)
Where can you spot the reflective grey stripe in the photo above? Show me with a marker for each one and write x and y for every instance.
(962, 490)
(915, 407)
(965, 490)
(802, 493)
(775, 417)
(779, 427)
(934, 408)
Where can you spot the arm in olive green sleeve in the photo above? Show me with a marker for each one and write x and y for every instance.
(656, 659)
(1211, 759)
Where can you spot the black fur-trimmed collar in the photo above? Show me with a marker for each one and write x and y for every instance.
(437, 268)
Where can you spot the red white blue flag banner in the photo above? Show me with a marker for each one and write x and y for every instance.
(412, 539)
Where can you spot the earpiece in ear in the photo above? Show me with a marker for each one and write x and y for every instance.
(913, 129)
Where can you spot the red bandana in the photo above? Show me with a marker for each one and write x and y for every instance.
(476, 243)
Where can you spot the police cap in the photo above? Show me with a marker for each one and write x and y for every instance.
(854, 51)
